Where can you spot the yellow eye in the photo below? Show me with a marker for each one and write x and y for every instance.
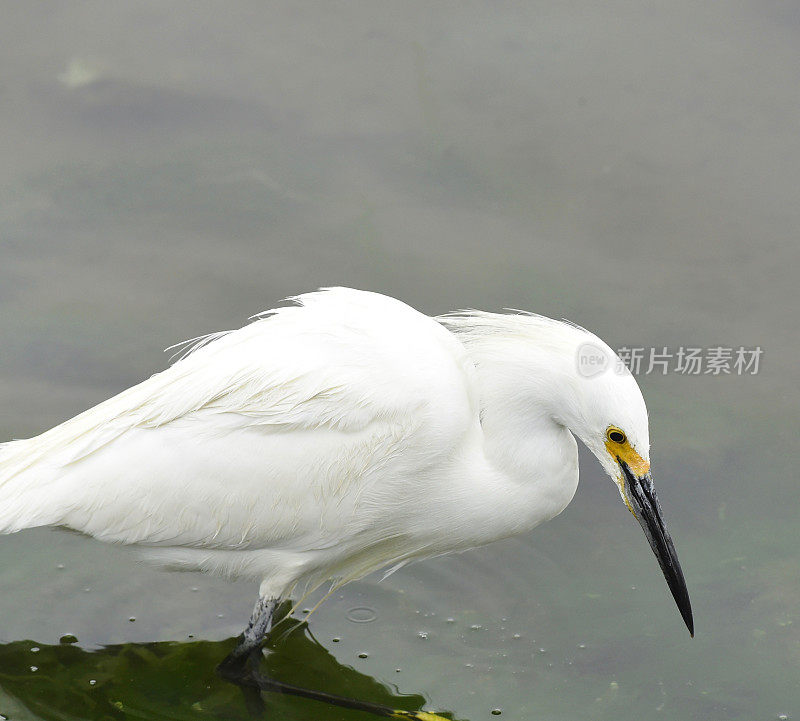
(616, 435)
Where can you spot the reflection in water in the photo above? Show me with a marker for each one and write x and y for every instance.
(178, 680)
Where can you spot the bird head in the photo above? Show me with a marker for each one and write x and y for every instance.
(576, 380)
(613, 425)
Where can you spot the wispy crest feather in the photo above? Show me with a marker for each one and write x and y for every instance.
(478, 326)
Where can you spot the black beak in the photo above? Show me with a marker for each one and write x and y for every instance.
(647, 510)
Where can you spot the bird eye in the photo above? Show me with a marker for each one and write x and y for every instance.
(616, 435)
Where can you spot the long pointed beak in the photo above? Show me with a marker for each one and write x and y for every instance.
(647, 509)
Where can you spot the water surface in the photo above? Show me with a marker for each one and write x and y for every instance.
(168, 171)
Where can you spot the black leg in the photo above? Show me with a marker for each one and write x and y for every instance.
(255, 680)
(249, 645)
(241, 667)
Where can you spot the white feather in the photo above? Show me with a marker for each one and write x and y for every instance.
(326, 440)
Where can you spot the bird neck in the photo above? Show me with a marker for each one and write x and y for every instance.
(527, 368)
(525, 408)
(524, 388)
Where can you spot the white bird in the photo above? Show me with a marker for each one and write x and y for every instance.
(338, 436)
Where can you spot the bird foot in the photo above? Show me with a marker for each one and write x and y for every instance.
(240, 663)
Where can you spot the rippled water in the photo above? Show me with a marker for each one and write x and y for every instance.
(170, 170)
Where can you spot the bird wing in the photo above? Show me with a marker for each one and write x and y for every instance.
(268, 434)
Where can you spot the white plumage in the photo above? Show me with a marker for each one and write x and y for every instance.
(329, 439)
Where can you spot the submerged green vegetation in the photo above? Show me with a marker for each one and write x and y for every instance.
(175, 681)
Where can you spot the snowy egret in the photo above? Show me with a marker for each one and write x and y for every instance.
(340, 435)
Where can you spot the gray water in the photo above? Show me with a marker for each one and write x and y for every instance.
(169, 170)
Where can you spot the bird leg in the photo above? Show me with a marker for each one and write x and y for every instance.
(257, 681)
(249, 645)
(235, 670)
